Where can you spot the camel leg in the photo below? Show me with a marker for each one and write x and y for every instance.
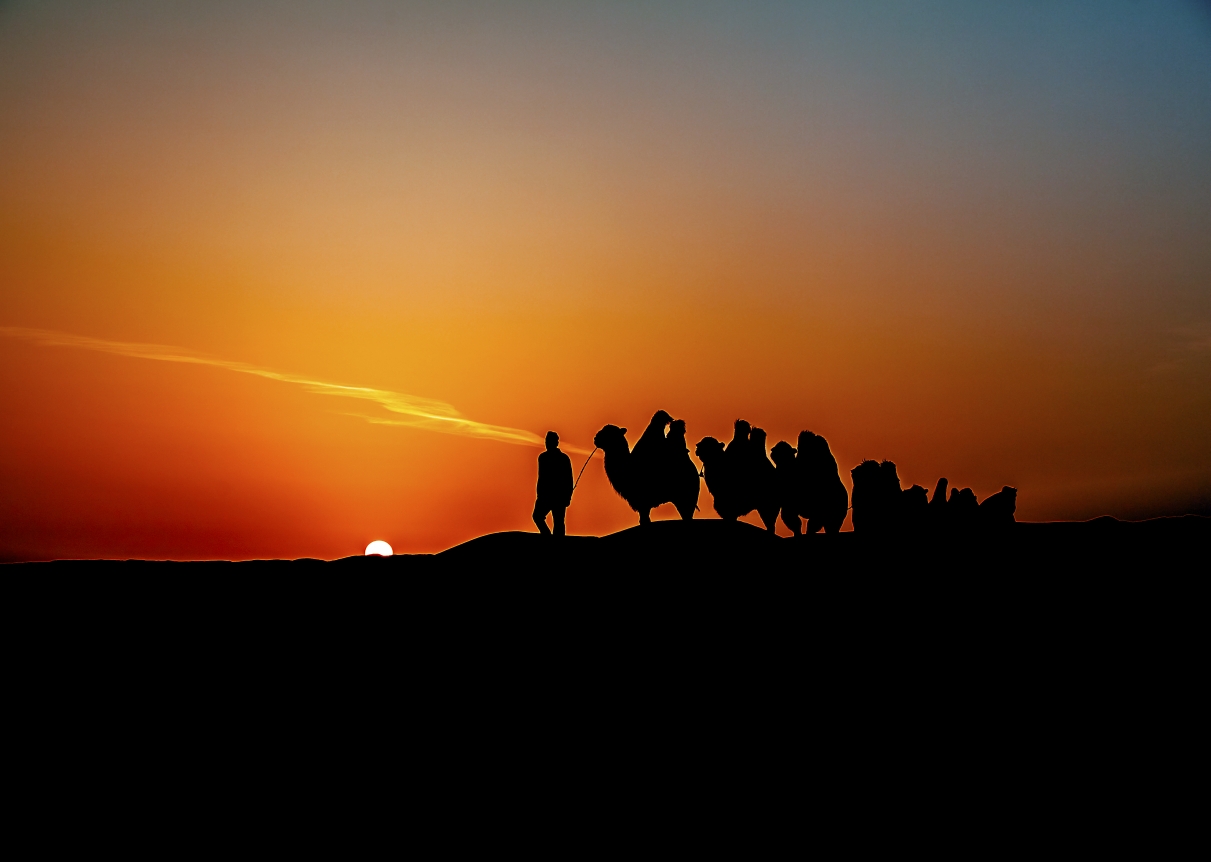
(645, 516)
(792, 522)
(686, 512)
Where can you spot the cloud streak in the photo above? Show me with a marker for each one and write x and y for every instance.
(408, 411)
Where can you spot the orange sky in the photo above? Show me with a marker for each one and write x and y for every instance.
(974, 243)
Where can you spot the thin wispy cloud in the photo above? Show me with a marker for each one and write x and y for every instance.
(408, 411)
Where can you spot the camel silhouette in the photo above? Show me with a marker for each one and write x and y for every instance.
(821, 496)
(657, 471)
(739, 476)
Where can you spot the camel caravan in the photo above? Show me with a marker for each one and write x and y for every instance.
(802, 484)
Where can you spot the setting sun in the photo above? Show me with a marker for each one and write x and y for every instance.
(378, 548)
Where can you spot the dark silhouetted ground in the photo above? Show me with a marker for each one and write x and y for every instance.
(1063, 658)
(676, 550)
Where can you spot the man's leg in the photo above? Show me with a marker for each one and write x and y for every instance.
(540, 518)
(557, 517)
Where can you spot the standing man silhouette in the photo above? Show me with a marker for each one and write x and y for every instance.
(554, 486)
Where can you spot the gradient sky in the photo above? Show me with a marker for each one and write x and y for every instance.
(277, 279)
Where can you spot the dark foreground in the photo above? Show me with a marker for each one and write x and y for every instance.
(672, 601)
(1067, 658)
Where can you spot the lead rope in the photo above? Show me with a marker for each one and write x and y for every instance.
(581, 473)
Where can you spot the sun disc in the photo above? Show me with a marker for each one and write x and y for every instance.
(380, 548)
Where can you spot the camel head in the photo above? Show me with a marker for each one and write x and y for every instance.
(783, 453)
(677, 428)
(611, 438)
(865, 474)
(814, 451)
(708, 449)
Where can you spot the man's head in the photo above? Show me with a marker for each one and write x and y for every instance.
(552, 440)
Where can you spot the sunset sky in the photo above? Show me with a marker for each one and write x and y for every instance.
(277, 279)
